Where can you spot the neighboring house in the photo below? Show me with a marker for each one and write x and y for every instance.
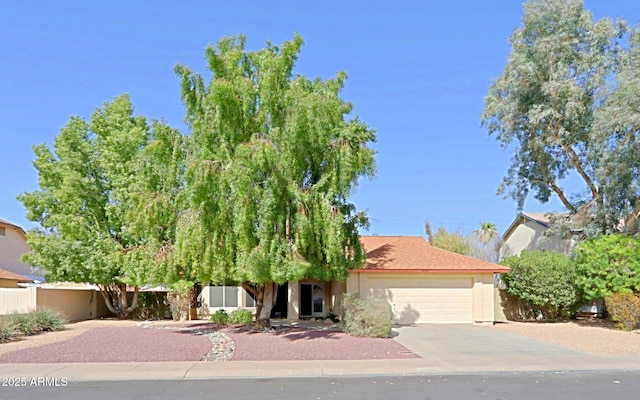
(527, 233)
(10, 280)
(13, 244)
(422, 283)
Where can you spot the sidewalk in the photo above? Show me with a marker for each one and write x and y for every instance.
(303, 369)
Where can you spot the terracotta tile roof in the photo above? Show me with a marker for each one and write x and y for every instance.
(414, 253)
(8, 275)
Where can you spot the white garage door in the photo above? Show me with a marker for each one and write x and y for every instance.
(432, 299)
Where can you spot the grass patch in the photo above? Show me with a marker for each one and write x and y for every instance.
(7, 330)
(49, 320)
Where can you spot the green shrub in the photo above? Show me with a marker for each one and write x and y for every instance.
(366, 317)
(240, 317)
(545, 280)
(25, 323)
(624, 308)
(220, 317)
(608, 264)
(7, 330)
(48, 320)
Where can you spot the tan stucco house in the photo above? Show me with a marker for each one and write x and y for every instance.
(527, 233)
(13, 244)
(9, 279)
(422, 283)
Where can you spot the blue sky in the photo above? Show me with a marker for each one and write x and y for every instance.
(418, 73)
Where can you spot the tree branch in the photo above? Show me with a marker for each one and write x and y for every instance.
(552, 183)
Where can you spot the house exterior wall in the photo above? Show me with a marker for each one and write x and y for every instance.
(482, 296)
(293, 304)
(529, 236)
(8, 283)
(13, 244)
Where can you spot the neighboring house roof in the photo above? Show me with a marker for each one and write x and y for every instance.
(12, 225)
(10, 276)
(415, 254)
(538, 217)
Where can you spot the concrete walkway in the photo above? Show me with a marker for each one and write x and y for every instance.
(445, 349)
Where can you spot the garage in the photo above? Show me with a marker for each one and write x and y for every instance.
(425, 284)
(418, 299)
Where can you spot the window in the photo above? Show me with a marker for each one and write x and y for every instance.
(223, 296)
(3, 231)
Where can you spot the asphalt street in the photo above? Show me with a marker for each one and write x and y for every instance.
(617, 385)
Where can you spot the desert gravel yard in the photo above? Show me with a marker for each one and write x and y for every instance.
(135, 341)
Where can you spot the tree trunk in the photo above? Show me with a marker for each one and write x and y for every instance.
(265, 302)
(115, 298)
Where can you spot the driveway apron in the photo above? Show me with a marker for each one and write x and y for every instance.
(480, 347)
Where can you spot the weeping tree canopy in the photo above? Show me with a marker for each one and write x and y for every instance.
(567, 105)
(88, 184)
(274, 157)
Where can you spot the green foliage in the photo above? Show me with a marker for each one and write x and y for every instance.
(566, 106)
(545, 280)
(26, 324)
(220, 317)
(48, 320)
(240, 317)
(92, 185)
(7, 329)
(369, 317)
(625, 309)
(274, 157)
(456, 242)
(608, 264)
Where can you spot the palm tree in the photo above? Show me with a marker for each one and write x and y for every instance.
(487, 231)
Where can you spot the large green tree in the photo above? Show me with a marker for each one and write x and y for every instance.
(88, 183)
(608, 264)
(274, 157)
(566, 105)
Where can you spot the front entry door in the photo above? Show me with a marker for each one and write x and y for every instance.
(311, 300)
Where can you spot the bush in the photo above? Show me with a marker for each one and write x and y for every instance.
(48, 320)
(220, 317)
(240, 317)
(7, 330)
(624, 308)
(25, 323)
(608, 264)
(545, 280)
(366, 317)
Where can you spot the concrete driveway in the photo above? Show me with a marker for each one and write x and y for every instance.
(471, 347)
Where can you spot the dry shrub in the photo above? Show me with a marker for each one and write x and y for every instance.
(624, 308)
(369, 317)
